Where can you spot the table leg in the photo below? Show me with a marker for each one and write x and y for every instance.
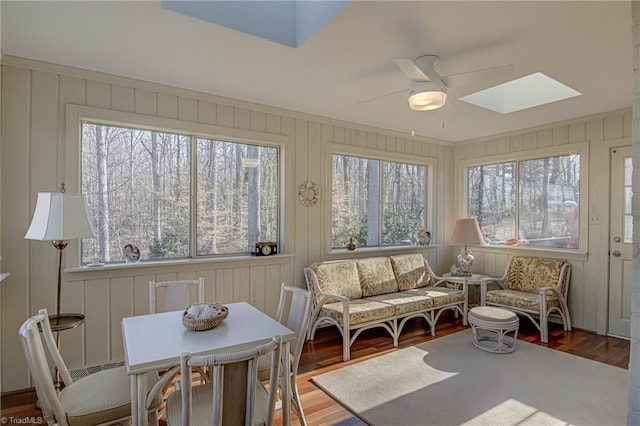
(286, 385)
(134, 400)
(141, 384)
(465, 309)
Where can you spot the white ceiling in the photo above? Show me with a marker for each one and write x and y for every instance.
(585, 45)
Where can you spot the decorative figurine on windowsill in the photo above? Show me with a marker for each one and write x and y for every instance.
(351, 246)
(423, 237)
(131, 253)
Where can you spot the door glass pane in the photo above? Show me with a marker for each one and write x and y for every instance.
(628, 171)
(628, 229)
(628, 193)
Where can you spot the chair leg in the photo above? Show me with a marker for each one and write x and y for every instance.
(296, 404)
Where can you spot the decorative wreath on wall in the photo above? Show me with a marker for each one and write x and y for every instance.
(308, 194)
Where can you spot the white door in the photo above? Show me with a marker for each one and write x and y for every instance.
(620, 243)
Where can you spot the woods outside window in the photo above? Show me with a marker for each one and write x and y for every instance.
(147, 187)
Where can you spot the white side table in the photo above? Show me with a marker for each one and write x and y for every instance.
(475, 279)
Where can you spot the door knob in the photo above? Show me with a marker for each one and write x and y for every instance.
(616, 239)
(616, 253)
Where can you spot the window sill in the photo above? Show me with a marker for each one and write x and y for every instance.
(168, 266)
(566, 254)
(381, 251)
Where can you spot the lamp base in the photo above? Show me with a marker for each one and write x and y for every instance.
(462, 267)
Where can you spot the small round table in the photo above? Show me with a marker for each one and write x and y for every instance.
(490, 327)
(473, 279)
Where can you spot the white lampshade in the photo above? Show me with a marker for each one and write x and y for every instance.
(466, 232)
(59, 216)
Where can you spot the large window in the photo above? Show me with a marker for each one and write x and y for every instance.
(143, 189)
(376, 203)
(533, 202)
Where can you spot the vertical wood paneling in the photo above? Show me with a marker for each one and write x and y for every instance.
(241, 282)
(122, 98)
(97, 322)
(206, 112)
(381, 142)
(504, 146)
(516, 143)
(560, 135)
(613, 127)
(209, 277)
(141, 294)
(224, 285)
(274, 280)
(145, 102)
(98, 94)
(72, 91)
(120, 306)
(274, 124)
(241, 118)
(224, 115)
(257, 287)
(167, 106)
(338, 135)
(577, 132)
(316, 229)
(187, 109)
(545, 138)
(258, 121)
(301, 215)
(529, 141)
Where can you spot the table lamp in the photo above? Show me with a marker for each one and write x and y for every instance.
(60, 217)
(466, 232)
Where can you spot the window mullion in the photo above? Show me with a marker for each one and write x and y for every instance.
(380, 202)
(517, 200)
(193, 202)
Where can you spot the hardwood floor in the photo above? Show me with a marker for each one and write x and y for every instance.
(325, 354)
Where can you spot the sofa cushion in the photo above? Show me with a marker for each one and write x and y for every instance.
(410, 271)
(339, 278)
(360, 311)
(376, 276)
(440, 295)
(520, 299)
(405, 303)
(532, 273)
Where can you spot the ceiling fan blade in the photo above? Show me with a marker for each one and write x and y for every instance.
(411, 70)
(477, 76)
(375, 98)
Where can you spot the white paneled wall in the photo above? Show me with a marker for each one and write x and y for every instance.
(588, 293)
(35, 157)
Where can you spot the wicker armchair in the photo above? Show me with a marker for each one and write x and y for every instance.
(534, 287)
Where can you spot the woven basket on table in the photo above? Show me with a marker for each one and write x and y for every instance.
(220, 312)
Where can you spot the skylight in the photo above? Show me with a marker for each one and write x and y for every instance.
(287, 22)
(525, 92)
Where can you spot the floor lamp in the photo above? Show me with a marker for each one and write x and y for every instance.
(60, 217)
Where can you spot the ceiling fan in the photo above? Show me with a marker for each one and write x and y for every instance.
(428, 90)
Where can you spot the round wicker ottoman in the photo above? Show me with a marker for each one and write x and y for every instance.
(490, 328)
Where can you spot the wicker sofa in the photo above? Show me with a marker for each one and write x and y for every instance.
(360, 294)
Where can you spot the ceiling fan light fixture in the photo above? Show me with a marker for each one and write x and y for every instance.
(426, 100)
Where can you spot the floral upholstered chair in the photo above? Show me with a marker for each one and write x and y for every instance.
(534, 287)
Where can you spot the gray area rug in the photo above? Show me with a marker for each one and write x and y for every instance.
(448, 381)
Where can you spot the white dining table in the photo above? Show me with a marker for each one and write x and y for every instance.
(155, 342)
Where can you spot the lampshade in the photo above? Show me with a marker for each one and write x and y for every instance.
(466, 232)
(426, 96)
(59, 216)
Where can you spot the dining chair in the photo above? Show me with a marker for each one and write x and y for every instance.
(235, 396)
(174, 295)
(165, 296)
(101, 398)
(294, 312)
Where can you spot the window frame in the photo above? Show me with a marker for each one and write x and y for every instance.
(332, 149)
(580, 148)
(76, 114)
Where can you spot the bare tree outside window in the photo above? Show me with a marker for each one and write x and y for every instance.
(139, 186)
(377, 203)
(548, 201)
